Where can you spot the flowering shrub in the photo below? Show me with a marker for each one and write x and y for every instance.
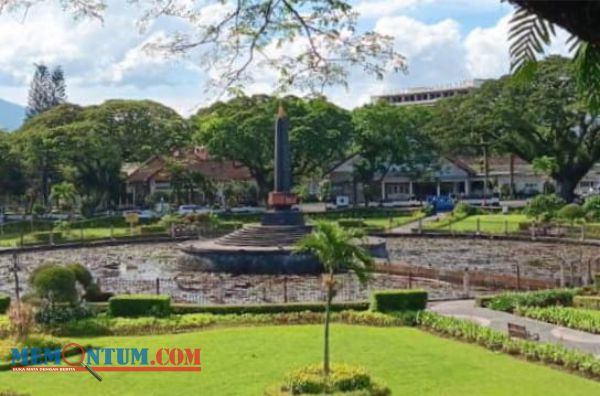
(342, 379)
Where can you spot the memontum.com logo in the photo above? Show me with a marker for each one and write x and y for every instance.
(77, 358)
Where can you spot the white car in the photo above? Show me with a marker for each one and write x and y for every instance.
(191, 209)
(247, 209)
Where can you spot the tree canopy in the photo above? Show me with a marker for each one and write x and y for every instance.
(388, 135)
(48, 90)
(545, 118)
(87, 145)
(242, 129)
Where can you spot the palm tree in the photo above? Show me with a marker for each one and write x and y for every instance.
(337, 250)
(64, 194)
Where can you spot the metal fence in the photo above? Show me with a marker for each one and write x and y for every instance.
(41, 233)
(527, 229)
(257, 289)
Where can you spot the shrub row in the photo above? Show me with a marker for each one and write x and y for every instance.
(42, 342)
(54, 315)
(587, 302)
(267, 308)
(508, 302)
(398, 300)
(351, 223)
(43, 236)
(579, 319)
(4, 303)
(152, 229)
(555, 354)
(184, 309)
(105, 325)
(139, 305)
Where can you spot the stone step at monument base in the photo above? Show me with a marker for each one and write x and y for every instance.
(265, 236)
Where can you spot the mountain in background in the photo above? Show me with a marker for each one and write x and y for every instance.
(11, 115)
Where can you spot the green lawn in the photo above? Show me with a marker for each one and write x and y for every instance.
(12, 240)
(385, 222)
(489, 223)
(242, 361)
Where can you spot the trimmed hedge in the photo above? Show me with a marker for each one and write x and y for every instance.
(587, 302)
(508, 302)
(184, 309)
(4, 303)
(266, 308)
(468, 331)
(351, 223)
(139, 305)
(398, 300)
(152, 229)
(43, 237)
(574, 318)
(104, 325)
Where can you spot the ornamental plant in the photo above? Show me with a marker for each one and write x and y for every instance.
(546, 205)
(337, 250)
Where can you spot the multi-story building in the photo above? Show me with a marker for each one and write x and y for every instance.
(427, 95)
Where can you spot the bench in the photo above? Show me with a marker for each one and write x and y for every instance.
(518, 331)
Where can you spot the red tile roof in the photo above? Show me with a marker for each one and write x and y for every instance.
(195, 160)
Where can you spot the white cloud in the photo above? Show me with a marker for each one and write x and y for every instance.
(487, 50)
(108, 61)
(414, 38)
(380, 8)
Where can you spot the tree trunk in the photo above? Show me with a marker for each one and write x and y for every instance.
(263, 186)
(512, 176)
(566, 187)
(326, 366)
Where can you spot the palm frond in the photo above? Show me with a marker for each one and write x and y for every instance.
(528, 34)
(587, 70)
(338, 249)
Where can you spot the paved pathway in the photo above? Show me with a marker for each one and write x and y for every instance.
(573, 339)
(407, 228)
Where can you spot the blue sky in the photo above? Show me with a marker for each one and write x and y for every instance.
(445, 41)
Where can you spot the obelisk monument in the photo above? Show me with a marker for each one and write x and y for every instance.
(281, 199)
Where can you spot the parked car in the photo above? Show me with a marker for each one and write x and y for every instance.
(144, 214)
(247, 209)
(190, 209)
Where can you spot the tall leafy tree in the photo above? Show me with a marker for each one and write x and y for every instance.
(337, 250)
(12, 176)
(58, 93)
(47, 90)
(532, 29)
(141, 128)
(39, 144)
(87, 145)
(242, 130)
(387, 136)
(546, 118)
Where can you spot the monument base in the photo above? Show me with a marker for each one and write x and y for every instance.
(283, 218)
(282, 200)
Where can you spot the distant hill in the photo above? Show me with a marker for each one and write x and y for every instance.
(11, 115)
